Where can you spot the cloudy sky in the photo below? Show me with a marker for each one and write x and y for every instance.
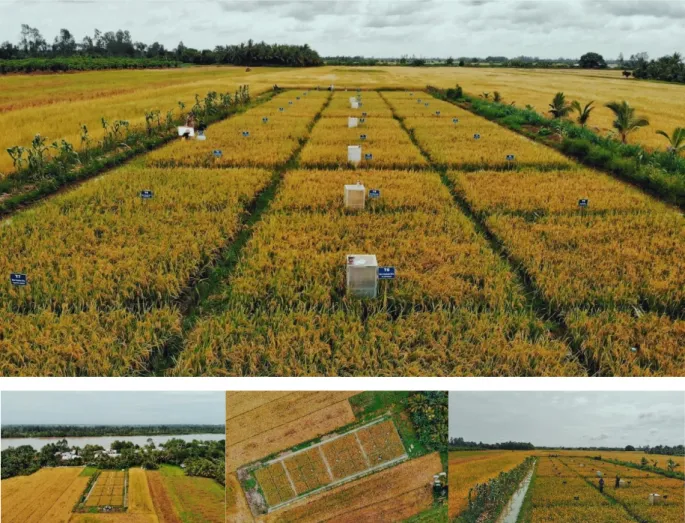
(428, 28)
(569, 419)
(112, 408)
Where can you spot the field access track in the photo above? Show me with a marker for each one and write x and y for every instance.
(374, 446)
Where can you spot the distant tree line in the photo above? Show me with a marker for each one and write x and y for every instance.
(73, 431)
(667, 68)
(677, 450)
(199, 458)
(461, 444)
(120, 44)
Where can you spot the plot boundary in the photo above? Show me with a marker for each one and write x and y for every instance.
(353, 438)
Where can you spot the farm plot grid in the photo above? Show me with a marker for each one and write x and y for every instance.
(106, 267)
(613, 268)
(109, 271)
(330, 463)
(383, 142)
(566, 489)
(109, 490)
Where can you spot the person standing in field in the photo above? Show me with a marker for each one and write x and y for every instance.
(190, 120)
(618, 480)
(601, 485)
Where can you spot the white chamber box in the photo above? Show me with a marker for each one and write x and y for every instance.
(354, 153)
(362, 275)
(355, 196)
(352, 121)
(182, 130)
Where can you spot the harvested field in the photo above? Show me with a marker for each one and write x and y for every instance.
(283, 423)
(47, 495)
(160, 498)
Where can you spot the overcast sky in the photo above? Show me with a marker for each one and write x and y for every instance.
(429, 28)
(113, 408)
(569, 419)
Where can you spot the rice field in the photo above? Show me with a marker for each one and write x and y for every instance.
(566, 489)
(234, 264)
(64, 495)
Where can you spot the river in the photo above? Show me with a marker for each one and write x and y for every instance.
(105, 441)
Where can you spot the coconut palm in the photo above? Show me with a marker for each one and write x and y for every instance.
(559, 108)
(583, 112)
(626, 122)
(676, 142)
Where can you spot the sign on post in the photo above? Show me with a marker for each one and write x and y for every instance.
(437, 113)
(386, 273)
(146, 195)
(374, 193)
(583, 202)
(426, 104)
(265, 119)
(362, 137)
(362, 120)
(363, 114)
(510, 157)
(246, 133)
(368, 156)
(18, 279)
(455, 120)
(280, 109)
(290, 102)
(476, 136)
(217, 153)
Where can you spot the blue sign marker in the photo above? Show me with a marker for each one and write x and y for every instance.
(426, 104)
(297, 98)
(418, 101)
(265, 119)
(510, 157)
(362, 137)
(290, 102)
(455, 120)
(280, 109)
(217, 153)
(18, 279)
(584, 202)
(363, 114)
(362, 120)
(437, 113)
(386, 273)
(374, 193)
(476, 136)
(368, 156)
(246, 133)
(146, 195)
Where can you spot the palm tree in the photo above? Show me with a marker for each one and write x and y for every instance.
(583, 112)
(559, 108)
(626, 122)
(676, 142)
